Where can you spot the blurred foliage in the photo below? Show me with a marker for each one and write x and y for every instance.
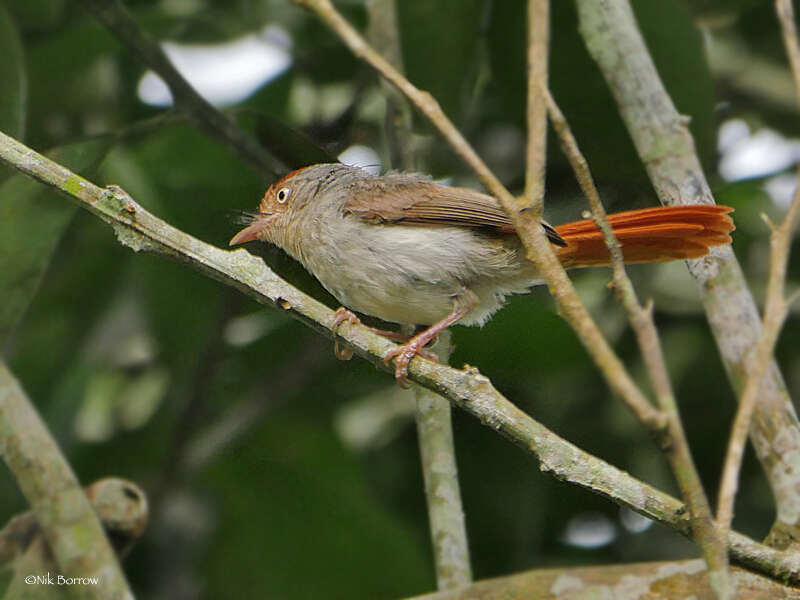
(235, 418)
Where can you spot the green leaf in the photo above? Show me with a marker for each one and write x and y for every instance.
(13, 77)
(32, 221)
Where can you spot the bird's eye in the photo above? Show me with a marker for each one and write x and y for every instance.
(283, 194)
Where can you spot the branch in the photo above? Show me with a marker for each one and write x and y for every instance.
(675, 579)
(442, 491)
(776, 307)
(538, 65)
(667, 150)
(641, 320)
(538, 55)
(467, 389)
(119, 21)
(64, 513)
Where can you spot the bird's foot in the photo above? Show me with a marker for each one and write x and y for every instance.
(402, 355)
(340, 316)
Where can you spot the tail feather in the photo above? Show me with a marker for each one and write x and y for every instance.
(648, 235)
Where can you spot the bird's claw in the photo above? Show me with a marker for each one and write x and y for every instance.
(340, 316)
(342, 352)
(402, 356)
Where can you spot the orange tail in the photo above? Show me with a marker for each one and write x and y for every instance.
(648, 235)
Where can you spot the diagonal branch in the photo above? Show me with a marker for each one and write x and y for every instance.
(466, 389)
(65, 515)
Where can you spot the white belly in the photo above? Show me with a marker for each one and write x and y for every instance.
(405, 274)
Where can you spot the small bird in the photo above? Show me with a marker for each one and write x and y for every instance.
(408, 250)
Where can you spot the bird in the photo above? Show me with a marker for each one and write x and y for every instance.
(409, 250)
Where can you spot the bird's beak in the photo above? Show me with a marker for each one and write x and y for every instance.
(249, 233)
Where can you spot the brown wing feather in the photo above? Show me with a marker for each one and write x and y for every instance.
(426, 203)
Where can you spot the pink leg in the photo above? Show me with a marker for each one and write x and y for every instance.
(395, 336)
(341, 315)
(402, 355)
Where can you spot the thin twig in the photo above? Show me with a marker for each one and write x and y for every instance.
(666, 148)
(467, 389)
(785, 12)
(536, 154)
(584, 176)
(65, 515)
(525, 222)
(675, 445)
(776, 307)
(536, 149)
(116, 17)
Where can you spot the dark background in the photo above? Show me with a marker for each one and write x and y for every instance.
(274, 470)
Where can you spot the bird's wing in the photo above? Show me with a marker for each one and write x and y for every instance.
(415, 202)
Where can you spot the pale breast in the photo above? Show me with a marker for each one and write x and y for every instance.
(410, 274)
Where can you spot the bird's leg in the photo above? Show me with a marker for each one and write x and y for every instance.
(341, 315)
(402, 355)
(395, 336)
